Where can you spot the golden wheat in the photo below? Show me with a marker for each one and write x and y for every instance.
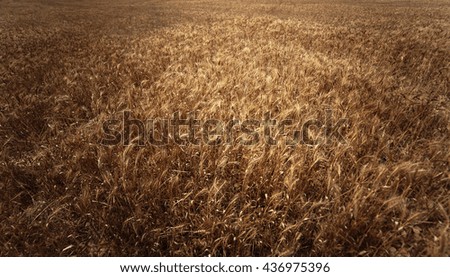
(65, 69)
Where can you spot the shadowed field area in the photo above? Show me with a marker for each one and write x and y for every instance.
(380, 67)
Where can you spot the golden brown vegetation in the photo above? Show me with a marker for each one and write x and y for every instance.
(65, 67)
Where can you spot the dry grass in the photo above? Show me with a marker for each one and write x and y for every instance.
(65, 68)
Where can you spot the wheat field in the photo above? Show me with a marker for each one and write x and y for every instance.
(382, 67)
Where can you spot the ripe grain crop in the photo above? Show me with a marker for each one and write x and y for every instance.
(67, 68)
